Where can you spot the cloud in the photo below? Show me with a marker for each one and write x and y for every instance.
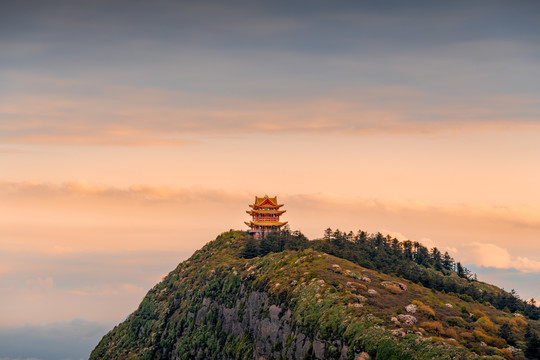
(103, 285)
(522, 216)
(108, 290)
(491, 255)
(395, 234)
(144, 193)
(57, 249)
(4, 269)
(87, 112)
(11, 151)
(528, 216)
(173, 74)
(40, 285)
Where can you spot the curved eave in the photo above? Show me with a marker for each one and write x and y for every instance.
(255, 206)
(270, 212)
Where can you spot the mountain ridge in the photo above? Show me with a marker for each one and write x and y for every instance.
(304, 304)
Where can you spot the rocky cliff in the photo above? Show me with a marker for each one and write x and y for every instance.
(297, 305)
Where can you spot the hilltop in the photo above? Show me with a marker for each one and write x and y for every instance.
(285, 297)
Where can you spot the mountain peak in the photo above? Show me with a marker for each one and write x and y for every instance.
(304, 303)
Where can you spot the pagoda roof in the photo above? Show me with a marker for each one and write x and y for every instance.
(277, 212)
(265, 201)
(261, 200)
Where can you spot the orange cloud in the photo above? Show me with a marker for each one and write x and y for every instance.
(11, 151)
(517, 215)
(524, 216)
(57, 249)
(81, 216)
(4, 269)
(38, 190)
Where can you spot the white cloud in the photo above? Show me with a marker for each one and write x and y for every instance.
(491, 255)
(536, 300)
(395, 234)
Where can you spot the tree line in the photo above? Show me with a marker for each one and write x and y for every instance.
(408, 259)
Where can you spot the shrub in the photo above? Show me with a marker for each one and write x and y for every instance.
(466, 297)
(452, 333)
(487, 325)
(518, 323)
(394, 289)
(507, 353)
(456, 321)
(433, 327)
(467, 336)
(480, 335)
(477, 314)
(355, 286)
(452, 342)
(424, 309)
(497, 342)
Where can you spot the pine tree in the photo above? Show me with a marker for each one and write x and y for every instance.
(462, 271)
(266, 246)
(408, 249)
(448, 262)
(436, 258)
(532, 344)
(505, 332)
(250, 250)
(421, 255)
(328, 234)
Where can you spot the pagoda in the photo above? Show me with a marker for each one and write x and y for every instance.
(265, 215)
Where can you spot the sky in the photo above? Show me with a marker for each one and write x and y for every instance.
(133, 132)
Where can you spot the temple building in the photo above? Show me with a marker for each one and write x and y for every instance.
(265, 215)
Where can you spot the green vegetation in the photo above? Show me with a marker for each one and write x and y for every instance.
(285, 297)
(407, 259)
